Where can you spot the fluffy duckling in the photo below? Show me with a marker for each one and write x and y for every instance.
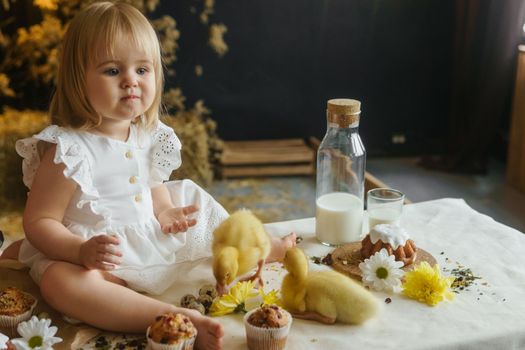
(323, 296)
(240, 243)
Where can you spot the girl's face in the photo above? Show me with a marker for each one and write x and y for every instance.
(121, 87)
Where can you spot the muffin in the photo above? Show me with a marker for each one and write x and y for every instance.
(15, 306)
(171, 332)
(267, 328)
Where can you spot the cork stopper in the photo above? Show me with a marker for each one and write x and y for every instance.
(343, 111)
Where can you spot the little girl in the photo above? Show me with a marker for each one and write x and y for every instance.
(100, 223)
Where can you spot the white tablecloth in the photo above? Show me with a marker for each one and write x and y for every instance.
(490, 315)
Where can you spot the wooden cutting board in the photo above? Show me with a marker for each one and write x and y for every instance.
(346, 259)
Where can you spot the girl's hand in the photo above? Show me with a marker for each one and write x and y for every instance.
(99, 252)
(175, 220)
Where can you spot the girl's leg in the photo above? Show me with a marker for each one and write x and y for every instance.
(90, 296)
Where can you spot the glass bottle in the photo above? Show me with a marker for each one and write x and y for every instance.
(341, 159)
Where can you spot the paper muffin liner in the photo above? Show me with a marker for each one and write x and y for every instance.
(11, 322)
(186, 344)
(260, 338)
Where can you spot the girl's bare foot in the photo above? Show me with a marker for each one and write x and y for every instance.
(280, 246)
(11, 252)
(209, 332)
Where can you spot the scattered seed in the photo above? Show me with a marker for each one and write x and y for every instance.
(315, 259)
(464, 278)
(327, 260)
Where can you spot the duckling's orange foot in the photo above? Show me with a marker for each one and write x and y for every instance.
(257, 275)
(314, 316)
(255, 279)
(222, 289)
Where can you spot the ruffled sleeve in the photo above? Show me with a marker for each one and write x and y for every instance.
(67, 152)
(166, 154)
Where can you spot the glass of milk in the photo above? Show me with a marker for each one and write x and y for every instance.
(384, 206)
(339, 218)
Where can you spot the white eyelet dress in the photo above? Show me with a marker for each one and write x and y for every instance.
(114, 196)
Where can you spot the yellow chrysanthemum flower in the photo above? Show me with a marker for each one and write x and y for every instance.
(271, 298)
(425, 284)
(235, 300)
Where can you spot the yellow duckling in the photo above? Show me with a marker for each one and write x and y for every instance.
(239, 244)
(323, 296)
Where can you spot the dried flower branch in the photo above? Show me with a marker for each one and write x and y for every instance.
(216, 40)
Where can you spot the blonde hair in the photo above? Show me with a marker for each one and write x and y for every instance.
(91, 35)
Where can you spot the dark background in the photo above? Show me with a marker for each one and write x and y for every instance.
(438, 74)
(287, 58)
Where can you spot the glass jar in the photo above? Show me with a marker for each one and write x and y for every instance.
(341, 159)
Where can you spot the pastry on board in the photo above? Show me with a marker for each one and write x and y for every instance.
(394, 239)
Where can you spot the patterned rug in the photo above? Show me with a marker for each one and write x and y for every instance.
(272, 199)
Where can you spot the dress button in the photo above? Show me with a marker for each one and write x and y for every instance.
(129, 154)
(132, 179)
(138, 198)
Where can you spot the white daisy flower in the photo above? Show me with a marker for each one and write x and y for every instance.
(37, 334)
(3, 341)
(382, 272)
